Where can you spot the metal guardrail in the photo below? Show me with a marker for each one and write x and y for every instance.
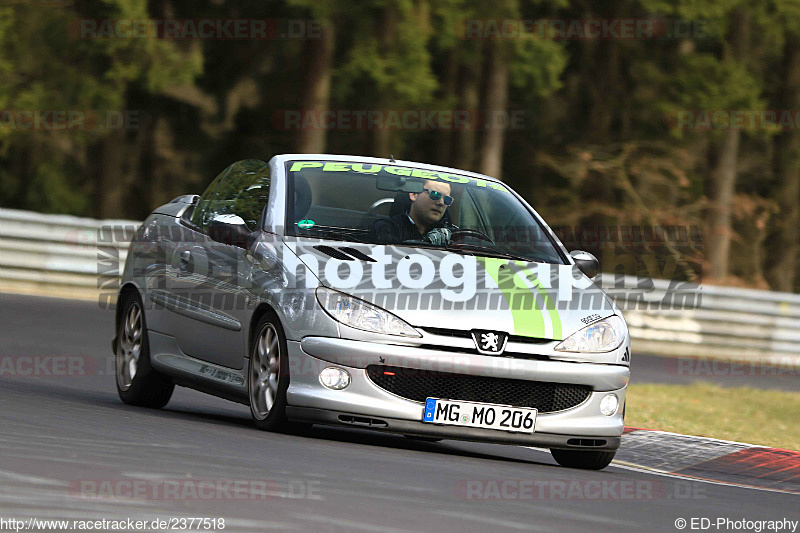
(59, 254)
(67, 256)
(712, 321)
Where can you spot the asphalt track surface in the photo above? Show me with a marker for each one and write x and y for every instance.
(70, 449)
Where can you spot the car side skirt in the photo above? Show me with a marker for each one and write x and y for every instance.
(167, 357)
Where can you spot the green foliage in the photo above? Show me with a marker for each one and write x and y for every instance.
(537, 66)
(47, 66)
(390, 51)
(704, 84)
(54, 189)
(447, 16)
(600, 143)
(702, 10)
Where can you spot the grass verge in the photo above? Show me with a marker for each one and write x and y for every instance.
(756, 416)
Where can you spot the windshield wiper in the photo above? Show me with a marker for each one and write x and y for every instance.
(492, 251)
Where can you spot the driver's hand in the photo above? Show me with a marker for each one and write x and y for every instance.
(438, 236)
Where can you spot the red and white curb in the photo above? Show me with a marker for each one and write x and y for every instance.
(715, 460)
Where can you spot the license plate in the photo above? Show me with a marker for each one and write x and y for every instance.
(479, 415)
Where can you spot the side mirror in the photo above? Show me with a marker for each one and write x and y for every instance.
(586, 263)
(229, 229)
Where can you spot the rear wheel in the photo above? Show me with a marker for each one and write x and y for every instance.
(138, 383)
(584, 459)
(268, 375)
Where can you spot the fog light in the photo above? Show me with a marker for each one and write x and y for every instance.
(609, 404)
(334, 378)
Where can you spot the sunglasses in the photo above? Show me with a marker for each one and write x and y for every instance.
(435, 195)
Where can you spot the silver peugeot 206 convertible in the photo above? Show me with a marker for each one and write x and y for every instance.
(389, 295)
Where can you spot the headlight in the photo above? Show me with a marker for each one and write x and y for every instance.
(602, 336)
(359, 314)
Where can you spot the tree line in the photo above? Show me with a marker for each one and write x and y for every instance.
(618, 114)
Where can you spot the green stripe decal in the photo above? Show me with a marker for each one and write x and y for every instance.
(555, 318)
(528, 323)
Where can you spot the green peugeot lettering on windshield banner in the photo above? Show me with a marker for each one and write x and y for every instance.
(375, 169)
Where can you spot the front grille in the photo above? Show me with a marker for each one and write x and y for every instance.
(528, 340)
(464, 334)
(445, 332)
(418, 385)
(507, 353)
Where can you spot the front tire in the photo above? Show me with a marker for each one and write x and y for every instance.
(138, 383)
(268, 375)
(583, 459)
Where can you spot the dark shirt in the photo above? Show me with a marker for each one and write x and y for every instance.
(401, 228)
(396, 229)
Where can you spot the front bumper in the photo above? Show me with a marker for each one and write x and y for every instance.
(364, 404)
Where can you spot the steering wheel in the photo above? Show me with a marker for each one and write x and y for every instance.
(458, 234)
(374, 207)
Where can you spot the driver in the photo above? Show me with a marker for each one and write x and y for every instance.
(423, 220)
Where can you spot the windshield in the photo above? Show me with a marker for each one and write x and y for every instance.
(396, 204)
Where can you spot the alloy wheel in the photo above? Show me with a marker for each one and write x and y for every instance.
(265, 372)
(130, 346)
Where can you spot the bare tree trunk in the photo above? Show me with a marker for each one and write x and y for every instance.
(722, 181)
(496, 108)
(21, 173)
(444, 139)
(381, 140)
(603, 69)
(148, 165)
(110, 183)
(316, 97)
(382, 143)
(722, 184)
(469, 98)
(783, 268)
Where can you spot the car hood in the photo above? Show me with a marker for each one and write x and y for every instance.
(433, 288)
